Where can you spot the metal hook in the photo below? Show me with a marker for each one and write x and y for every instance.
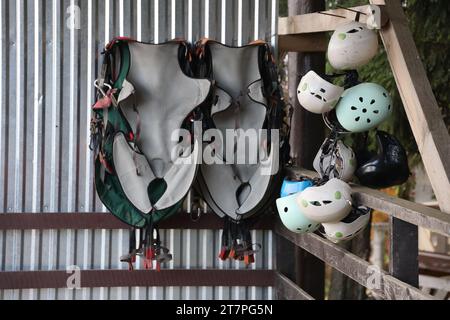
(100, 88)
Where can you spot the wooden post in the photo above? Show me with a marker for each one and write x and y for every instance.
(429, 131)
(404, 262)
(418, 99)
(307, 135)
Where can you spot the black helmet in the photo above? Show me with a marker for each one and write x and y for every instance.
(387, 168)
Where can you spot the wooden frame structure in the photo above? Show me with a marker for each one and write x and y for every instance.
(303, 33)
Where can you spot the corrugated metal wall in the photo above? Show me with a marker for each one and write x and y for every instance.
(46, 92)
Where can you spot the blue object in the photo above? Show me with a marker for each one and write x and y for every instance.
(292, 187)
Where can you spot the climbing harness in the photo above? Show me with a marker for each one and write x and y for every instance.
(247, 96)
(135, 115)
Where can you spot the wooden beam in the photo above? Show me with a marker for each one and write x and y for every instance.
(316, 22)
(384, 285)
(421, 106)
(408, 211)
(138, 278)
(437, 283)
(434, 262)
(93, 220)
(303, 43)
(288, 290)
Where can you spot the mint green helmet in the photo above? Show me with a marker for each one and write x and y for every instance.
(363, 107)
(292, 217)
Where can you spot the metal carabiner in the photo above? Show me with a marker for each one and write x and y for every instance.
(100, 88)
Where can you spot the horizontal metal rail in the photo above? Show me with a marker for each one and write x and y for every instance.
(79, 221)
(138, 278)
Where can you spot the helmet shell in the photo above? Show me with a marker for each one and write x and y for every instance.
(342, 157)
(291, 187)
(316, 94)
(347, 230)
(389, 167)
(292, 217)
(351, 46)
(328, 203)
(363, 107)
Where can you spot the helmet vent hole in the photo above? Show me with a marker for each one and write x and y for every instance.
(327, 202)
(357, 119)
(354, 108)
(299, 229)
(353, 31)
(316, 203)
(384, 94)
(309, 226)
(364, 110)
(286, 209)
(372, 102)
(389, 107)
(376, 111)
(369, 121)
(361, 99)
(323, 90)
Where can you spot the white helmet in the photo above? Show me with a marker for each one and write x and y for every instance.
(373, 13)
(338, 162)
(349, 227)
(316, 94)
(328, 203)
(352, 45)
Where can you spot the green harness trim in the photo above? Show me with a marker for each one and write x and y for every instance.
(109, 189)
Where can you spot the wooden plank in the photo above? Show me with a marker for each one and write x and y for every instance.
(343, 287)
(435, 283)
(288, 290)
(46, 221)
(435, 262)
(137, 278)
(404, 264)
(408, 211)
(316, 22)
(418, 99)
(303, 43)
(384, 286)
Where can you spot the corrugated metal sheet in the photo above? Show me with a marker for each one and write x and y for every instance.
(45, 164)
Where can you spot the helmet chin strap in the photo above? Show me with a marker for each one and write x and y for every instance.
(351, 79)
(328, 148)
